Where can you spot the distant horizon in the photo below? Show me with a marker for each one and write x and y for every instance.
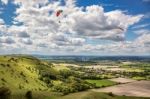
(82, 55)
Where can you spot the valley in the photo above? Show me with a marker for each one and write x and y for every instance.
(29, 77)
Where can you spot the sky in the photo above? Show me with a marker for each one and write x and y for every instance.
(84, 27)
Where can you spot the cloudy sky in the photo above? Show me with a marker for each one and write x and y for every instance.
(85, 27)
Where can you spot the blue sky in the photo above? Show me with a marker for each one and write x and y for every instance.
(134, 31)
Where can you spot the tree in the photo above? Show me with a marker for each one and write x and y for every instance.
(28, 95)
(5, 93)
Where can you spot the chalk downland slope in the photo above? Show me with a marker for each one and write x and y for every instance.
(21, 72)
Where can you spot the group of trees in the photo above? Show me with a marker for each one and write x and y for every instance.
(69, 82)
(90, 73)
(72, 84)
(98, 74)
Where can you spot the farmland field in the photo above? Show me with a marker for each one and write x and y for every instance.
(102, 83)
(122, 80)
(138, 88)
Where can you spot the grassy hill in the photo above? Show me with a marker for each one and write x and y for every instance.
(21, 72)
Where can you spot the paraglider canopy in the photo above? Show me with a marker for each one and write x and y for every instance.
(121, 28)
(59, 12)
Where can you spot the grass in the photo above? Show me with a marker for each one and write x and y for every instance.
(93, 95)
(102, 83)
(79, 95)
(15, 74)
(97, 95)
(60, 67)
(139, 78)
(134, 70)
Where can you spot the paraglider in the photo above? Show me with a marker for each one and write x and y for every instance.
(58, 13)
(121, 28)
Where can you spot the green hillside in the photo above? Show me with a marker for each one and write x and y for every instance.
(21, 72)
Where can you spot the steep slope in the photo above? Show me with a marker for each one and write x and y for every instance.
(22, 72)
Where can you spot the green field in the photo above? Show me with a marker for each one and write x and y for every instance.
(102, 83)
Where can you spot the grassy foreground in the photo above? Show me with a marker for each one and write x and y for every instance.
(94, 95)
(79, 95)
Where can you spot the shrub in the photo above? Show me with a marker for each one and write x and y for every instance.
(28, 95)
(110, 94)
(22, 74)
(8, 65)
(3, 79)
(21, 86)
(26, 81)
(5, 93)
(65, 73)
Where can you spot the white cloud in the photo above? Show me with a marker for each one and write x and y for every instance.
(140, 26)
(41, 31)
(26, 41)
(6, 40)
(144, 39)
(95, 23)
(142, 31)
(4, 1)
(146, 0)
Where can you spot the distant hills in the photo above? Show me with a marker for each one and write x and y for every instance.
(95, 58)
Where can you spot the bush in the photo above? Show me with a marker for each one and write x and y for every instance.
(8, 65)
(65, 73)
(61, 88)
(5, 93)
(22, 74)
(110, 94)
(3, 79)
(28, 95)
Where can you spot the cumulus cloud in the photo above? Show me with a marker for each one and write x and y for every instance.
(6, 40)
(36, 24)
(4, 1)
(144, 39)
(95, 23)
(142, 31)
(61, 39)
(140, 26)
(2, 22)
(26, 41)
